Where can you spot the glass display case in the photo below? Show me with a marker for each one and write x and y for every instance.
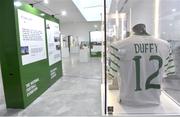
(161, 20)
(84, 44)
(169, 26)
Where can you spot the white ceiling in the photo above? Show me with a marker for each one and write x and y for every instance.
(92, 10)
(56, 6)
(74, 15)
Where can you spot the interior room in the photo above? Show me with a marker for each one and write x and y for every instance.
(89, 58)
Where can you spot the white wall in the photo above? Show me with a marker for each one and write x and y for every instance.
(80, 29)
(142, 11)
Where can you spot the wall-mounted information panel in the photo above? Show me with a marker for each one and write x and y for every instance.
(31, 53)
(54, 49)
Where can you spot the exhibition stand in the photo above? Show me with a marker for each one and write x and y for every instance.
(73, 44)
(65, 52)
(64, 46)
(75, 50)
(31, 53)
(95, 41)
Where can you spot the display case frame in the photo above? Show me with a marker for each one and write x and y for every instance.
(172, 100)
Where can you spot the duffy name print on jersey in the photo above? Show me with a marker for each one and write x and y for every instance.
(145, 48)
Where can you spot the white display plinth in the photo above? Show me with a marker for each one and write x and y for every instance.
(75, 50)
(167, 106)
(65, 52)
(84, 55)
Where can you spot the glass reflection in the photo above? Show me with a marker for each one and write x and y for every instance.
(161, 18)
(169, 27)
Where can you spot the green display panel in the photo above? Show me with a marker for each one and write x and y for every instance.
(95, 39)
(53, 49)
(28, 67)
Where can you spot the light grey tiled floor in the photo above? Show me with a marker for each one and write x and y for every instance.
(77, 93)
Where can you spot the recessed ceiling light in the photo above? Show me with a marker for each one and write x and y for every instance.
(17, 3)
(170, 24)
(173, 10)
(46, 1)
(63, 13)
(42, 14)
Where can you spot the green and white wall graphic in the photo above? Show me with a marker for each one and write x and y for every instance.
(30, 53)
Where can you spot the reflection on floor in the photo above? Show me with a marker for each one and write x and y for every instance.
(166, 107)
(77, 93)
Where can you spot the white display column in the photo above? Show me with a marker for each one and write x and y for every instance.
(84, 55)
(65, 52)
(75, 50)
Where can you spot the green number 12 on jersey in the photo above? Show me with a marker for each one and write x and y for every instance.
(148, 84)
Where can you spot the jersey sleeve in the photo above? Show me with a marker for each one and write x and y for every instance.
(169, 67)
(114, 60)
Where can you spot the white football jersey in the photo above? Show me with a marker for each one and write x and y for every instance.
(142, 62)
